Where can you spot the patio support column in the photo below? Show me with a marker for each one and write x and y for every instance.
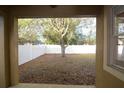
(2, 54)
(14, 51)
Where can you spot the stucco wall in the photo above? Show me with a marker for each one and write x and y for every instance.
(2, 58)
(104, 78)
(4, 48)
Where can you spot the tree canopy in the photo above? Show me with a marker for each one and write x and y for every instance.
(29, 30)
(52, 30)
(56, 29)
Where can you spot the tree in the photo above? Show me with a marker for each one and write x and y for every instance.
(60, 31)
(29, 30)
(87, 31)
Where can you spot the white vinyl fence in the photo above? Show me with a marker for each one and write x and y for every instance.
(28, 52)
(71, 49)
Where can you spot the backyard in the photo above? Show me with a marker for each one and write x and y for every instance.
(57, 50)
(73, 69)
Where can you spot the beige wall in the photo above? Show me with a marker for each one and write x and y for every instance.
(14, 51)
(103, 79)
(4, 48)
(2, 59)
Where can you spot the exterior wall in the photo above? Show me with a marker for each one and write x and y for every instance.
(104, 78)
(4, 48)
(14, 76)
(107, 42)
(2, 52)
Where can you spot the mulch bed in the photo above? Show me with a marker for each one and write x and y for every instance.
(54, 69)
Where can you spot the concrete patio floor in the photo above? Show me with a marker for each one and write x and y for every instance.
(31, 85)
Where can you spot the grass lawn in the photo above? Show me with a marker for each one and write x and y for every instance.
(76, 69)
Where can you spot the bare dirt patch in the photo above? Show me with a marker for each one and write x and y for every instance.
(54, 69)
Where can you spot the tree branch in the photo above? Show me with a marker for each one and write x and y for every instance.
(69, 38)
(51, 23)
(65, 31)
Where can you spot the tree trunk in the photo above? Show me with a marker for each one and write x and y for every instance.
(122, 55)
(62, 48)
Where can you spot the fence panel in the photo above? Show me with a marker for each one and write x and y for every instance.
(28, 52)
